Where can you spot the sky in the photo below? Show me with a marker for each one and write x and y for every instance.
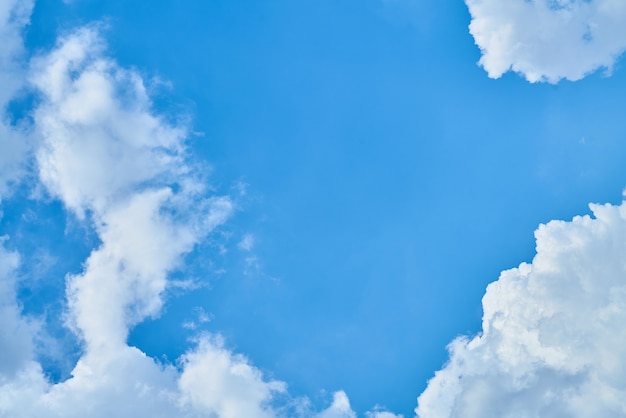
(312, 208)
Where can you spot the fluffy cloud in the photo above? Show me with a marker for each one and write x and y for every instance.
(100, 140)
(553, 338)
(382, 414)
(104, 153)
(340, 408)
(225, 385)
(548, 40)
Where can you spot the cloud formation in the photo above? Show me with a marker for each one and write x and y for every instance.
(98, 147)
(548, 40)
(16, 332)
(553, 340)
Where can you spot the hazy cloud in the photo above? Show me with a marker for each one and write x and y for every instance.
(340, 408)
(106, 155)
(14, 143)
(16, 333)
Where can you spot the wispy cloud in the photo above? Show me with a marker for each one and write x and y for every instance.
(246, 243)
(548, 40)
(552, 341)
(14, 142)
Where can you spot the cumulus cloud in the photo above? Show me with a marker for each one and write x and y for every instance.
(222, 384)
(104, 153)
(100, 140)
(115, 164)
(16, 332)
(553, 336)
(548, 40)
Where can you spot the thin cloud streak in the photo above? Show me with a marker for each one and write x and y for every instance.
(14, 140)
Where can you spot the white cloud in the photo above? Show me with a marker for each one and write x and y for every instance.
(381, 414)
(548, 40)
(100, 139)
(104, 152)
(98, 147)
(553, 338)
(16, 331)
(340, 408)
(115, 164)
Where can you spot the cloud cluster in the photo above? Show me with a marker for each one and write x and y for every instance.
(553, 338)
(548, 40)
(97, 146)
(114, 163)
(102, 152)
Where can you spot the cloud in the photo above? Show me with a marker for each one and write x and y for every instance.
(552, 341)
(220, 383)
(548, 40)
(100, 141)
(246, 243)
(340, 408)
(14, 16)
(114, 163)
(102, 151)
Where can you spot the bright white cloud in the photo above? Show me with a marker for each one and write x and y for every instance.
(101, 142)
(340, 408)
(382, 414)
(548, 40)
(222, 384)
(104, 153)
(553, 338)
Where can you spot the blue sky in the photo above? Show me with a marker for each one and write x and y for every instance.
(291, 208)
